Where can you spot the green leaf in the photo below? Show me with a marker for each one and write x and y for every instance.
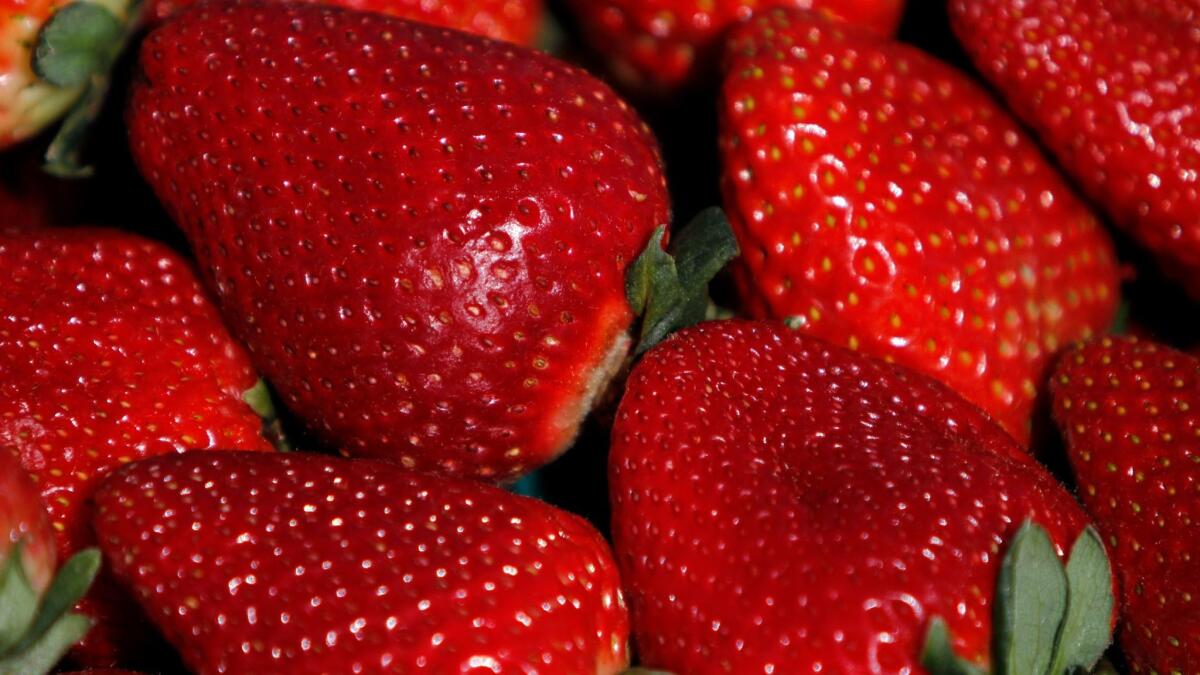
(652, 262)
(262, 403)
(63, 155)
(670, 289)
(703, 247)
(258, 398)
(48, 650)
(71, 583)
(18, 600)
(1031, 600)
(938, 655)
(1087, 629)
(80, 40)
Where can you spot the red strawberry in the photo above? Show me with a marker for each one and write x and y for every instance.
(657, 46)
(422, 236)
(782, 505)
(511, 20)
(23, 521)
(56, 63)
(301, 563)
(35, 627)
(110, 351)
(1128, 410)
(1109, 85)
(885, 203)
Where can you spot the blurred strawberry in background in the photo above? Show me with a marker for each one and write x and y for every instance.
(657, 46)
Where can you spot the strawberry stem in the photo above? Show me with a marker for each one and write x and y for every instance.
(77, 49)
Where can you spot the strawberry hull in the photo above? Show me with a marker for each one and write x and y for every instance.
(422, 236)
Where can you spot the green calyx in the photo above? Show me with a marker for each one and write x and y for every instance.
(1047, 619)
(77, 49)
(669, 288)
(36, 631)
(262, 403)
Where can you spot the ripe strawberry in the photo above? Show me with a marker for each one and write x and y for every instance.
(422, 236)
(657, 46)
(110, 351)
(254, 563)
(23, 520)
(1128, 411)
(885, 203)
(511, 20)
(1108, 85)
(35, 627)
(782, 505)
(56, 63)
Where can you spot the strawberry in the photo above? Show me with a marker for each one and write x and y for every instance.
(23, 521)
(422, 236)
(659, 46)
(301, 563)
(511, 20)
(110, 351)
(783, 505)
(56, 55)
(35, 626)
(885, 203)
(1127, 409)
(1108, 85)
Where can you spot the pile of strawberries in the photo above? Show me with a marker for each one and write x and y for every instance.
(319, 319)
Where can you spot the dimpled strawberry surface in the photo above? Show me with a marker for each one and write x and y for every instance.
(885, 202)
(785, 505)
(420, 235)
(255, 563)
(110, 350)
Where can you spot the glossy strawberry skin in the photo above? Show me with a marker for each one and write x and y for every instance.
(421, 236)
(303, 563)
(658, 46)
(1107, 85)
(1129, 412)
(110, 351)
(885, 203)
(23, 520)
(785, 505)
(510, 20)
